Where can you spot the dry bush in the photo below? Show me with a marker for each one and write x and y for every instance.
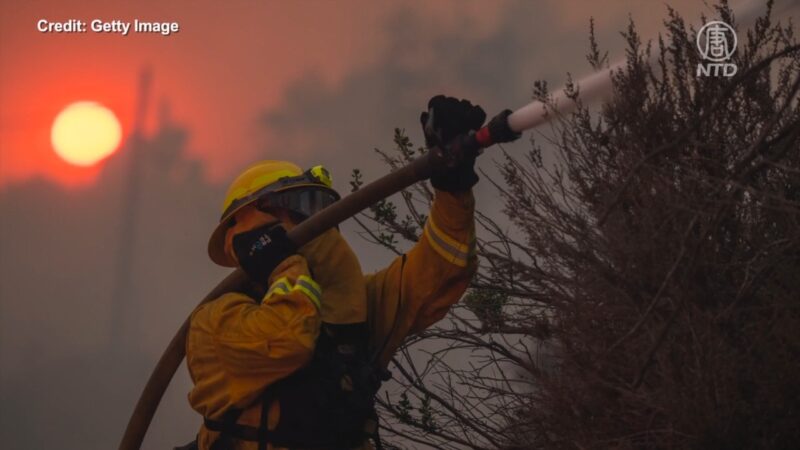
(648, 294)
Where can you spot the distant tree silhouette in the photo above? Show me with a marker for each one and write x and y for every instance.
(647, 293)
(65, 381)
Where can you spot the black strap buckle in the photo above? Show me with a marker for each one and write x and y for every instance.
(237, 431)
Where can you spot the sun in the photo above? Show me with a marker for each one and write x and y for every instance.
(85, 132)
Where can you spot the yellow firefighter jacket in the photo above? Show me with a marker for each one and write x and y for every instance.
(236, 347)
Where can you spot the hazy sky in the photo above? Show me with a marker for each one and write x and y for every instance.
(313, 81)
(232, 61)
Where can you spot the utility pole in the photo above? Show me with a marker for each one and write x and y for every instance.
(123, 286)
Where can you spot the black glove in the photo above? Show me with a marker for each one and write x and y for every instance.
(452, 118)
(261, 249)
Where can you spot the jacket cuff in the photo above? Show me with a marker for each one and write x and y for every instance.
(454, 213)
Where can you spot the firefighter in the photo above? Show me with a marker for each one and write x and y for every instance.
(296, 361)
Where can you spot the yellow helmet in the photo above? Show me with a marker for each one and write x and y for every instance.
(261, 182)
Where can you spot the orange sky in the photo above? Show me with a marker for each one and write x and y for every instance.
(238, 71)
(231, 61)
(225, 65)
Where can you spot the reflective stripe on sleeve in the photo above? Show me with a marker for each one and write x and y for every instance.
(310, 288)
(450, 249)
(280, 286)
(304, 284)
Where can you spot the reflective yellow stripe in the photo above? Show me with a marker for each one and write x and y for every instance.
(458, 246)
(310, 288)
(280, 286)
(450, 249)
(304, 284)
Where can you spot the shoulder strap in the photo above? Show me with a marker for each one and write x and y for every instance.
(263, 425)
(224, 426)
(342, 351)
(229, 428)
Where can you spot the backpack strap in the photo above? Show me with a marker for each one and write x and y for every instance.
(263, 425)
(341, 359)
(225, 426)
(229, 428)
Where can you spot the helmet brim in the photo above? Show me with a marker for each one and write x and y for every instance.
(216, 243)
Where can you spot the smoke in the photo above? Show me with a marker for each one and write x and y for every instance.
(64, 381)
(68, 379)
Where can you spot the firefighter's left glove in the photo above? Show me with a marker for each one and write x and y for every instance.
(261, 249)
(446, 120)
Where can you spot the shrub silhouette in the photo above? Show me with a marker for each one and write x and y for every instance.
(647, 294)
